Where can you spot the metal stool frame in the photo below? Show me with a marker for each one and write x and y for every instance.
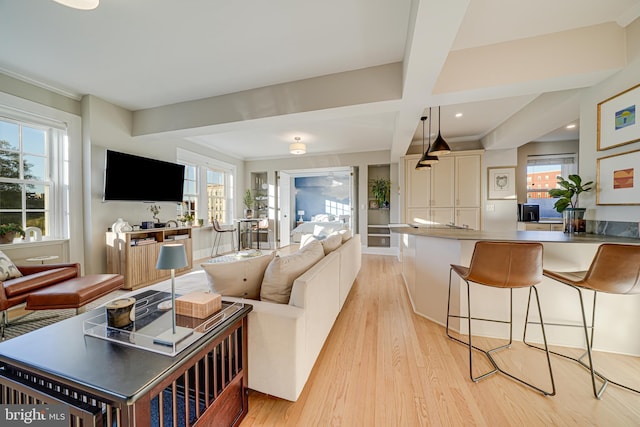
(489, 353)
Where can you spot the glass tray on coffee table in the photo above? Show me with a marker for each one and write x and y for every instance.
(151, 321)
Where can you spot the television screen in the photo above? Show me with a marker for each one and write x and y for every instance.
(135, 178)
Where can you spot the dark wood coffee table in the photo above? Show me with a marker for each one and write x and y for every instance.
(105, 383)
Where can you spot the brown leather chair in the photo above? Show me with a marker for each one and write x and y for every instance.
(615, 269)
(219, 232)
(505, 265)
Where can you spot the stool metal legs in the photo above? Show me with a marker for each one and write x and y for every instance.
(489, 353)
(597, 392)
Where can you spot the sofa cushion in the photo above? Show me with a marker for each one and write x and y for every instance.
(31, 282)
(8, 269)
(346, 234)
(331, 243)
(238, 278)
(283, 270)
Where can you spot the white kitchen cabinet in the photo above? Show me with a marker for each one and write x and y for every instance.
(447, 193)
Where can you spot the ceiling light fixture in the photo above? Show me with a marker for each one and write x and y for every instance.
(440, 146)
(297, 147)
(427, 159)
(571, 126)
(80, 4)
(458, 115)
(422, 166)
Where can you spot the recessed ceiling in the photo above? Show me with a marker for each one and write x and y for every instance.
(145, 54)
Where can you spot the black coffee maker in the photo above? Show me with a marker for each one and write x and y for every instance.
(528, 212)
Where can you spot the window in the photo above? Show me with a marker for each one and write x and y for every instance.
(190, 194)
(209, 190)
(542, 172)
(33, 174)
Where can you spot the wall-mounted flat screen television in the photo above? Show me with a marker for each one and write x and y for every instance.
(135, 178)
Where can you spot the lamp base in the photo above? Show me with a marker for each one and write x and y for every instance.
(169, 338)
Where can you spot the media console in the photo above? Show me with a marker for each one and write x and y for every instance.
(134, 254)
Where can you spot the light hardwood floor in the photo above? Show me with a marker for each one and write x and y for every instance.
(382, 365)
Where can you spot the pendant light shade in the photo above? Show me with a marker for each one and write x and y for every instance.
(440, 146)
(80, 4)
(427, 158)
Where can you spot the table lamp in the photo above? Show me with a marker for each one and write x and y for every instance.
(300, 213)
(172, 256)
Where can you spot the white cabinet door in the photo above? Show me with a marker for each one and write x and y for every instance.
(417, 216)
(417, 183)
(442, 216)
(468, 217)
(467, 181)
(442, 183)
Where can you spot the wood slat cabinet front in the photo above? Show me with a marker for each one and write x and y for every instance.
(134, 254)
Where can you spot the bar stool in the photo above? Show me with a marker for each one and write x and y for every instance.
(615, 269)
(219, 231)
(506, 265)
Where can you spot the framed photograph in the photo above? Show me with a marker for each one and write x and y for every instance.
(373, 204)
(618, 119)
(618, 179)
(502, 183)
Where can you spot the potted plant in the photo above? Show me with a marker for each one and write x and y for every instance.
(9, 231)
(187, 219)
(380, 189)
(248, 204)
(567, 203)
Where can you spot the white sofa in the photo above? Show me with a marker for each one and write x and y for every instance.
(285, 339)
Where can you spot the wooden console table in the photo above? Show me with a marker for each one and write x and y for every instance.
(103, 383)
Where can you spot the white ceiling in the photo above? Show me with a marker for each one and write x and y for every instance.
(144, 54)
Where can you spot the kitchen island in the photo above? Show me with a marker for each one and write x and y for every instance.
(428, 252)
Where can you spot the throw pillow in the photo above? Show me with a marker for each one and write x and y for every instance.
(306, 239)
(331, 243)
(238, 278)
(8, 269)
(283, 270)
(346, 234)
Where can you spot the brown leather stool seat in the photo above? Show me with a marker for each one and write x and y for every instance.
(506, 265)
(74, 293)
(615, 269)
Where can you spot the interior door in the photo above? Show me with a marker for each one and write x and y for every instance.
(284, 207)
(353, 199)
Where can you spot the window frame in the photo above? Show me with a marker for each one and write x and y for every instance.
(56, 179)
(203, 164)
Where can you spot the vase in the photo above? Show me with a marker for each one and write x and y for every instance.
(248, 213)
(7, 237)
(573, 220)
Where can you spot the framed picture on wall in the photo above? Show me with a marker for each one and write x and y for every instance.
(618, 119)
(501, 182)
(618, 179)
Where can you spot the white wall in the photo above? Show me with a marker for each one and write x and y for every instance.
(499, 215)
(109, 127)
(621, 81)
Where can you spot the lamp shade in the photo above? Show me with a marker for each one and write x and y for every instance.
(80, 4)
(300, 212)
(172, 256)
(421, 167)
(427, 159)
(440, 146)
(297, 147)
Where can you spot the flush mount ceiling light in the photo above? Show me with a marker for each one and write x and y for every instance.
(440, 146)
(297, 147)
(427, 159)
(80, 4)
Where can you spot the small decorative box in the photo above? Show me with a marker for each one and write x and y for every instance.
(198, 304)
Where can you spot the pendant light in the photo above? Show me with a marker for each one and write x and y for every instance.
(427, 158)
(440, 146)
(422, 166)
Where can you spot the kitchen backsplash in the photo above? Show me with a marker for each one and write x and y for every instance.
(613, 228)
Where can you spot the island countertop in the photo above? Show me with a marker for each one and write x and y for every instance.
(509, 235)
